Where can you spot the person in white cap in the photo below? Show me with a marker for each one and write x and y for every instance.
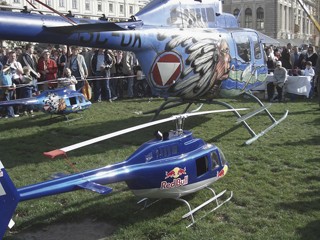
(280, 76)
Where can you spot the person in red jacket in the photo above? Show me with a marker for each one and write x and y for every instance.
(48, 69)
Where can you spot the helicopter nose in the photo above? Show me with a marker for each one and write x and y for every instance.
(223, 171)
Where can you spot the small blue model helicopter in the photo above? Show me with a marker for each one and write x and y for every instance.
(61, 101)
(189, 50)
(172, 165)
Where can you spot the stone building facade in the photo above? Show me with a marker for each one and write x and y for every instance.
(89, 8)
(284, 20)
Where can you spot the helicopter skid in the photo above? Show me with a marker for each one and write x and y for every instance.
(214, 198)
(193, 211)
(241, 119)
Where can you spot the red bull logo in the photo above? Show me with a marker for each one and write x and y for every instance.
(177, 181)
(175, 173)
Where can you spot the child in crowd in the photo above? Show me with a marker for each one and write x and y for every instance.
(26, 90)
(309, 71)
(8, 88)
(69, 81)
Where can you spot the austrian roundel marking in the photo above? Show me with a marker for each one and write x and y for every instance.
(166, 69)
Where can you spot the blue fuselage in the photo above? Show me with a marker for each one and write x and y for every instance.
(159, 168)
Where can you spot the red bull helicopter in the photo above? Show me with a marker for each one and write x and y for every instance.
(189, 50)
(172, 165)
(61, 101)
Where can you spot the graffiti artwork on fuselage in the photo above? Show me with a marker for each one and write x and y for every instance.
(53, 103)
(199, 65)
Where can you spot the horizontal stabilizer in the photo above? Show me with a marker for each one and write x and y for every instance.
(9, 198)
(96, 27)
(95, 187)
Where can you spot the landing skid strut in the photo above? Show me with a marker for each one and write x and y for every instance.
(191, 212)
(171, 103)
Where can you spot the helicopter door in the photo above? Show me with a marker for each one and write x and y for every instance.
(258, 60)
(249, 58)
(242, 46)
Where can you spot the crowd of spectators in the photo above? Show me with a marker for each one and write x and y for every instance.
(111, 74)
(291, 61)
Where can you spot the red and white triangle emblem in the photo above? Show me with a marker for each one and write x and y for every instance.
(166, 69)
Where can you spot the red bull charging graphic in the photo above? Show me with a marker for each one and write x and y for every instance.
(176, 175)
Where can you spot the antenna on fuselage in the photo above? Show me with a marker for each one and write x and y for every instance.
(34, 6)
(69, 20)
(239, 14)
(181, 15)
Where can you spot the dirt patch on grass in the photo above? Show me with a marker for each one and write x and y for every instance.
(87, 229)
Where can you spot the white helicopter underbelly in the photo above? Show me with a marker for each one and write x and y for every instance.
(174, 192)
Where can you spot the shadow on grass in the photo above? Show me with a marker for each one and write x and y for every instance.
(311, 231)
(309, 204)
(312, 140)
(21, 150)
(313, 161)
(119, 214)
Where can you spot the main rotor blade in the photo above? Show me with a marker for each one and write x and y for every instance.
(63, 151)
(96, 27)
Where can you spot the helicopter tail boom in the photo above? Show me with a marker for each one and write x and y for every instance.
(9, 199)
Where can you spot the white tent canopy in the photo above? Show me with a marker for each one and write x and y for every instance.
(268, 40)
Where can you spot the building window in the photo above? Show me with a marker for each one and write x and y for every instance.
(236, 12)
(99, 6)
(131, 10)
(16, 1)
(111, 8)
(61, 3)
(121, 9)
(248, 18)
(260, 18)
(48, 2)
(74, 4)
(87, 5)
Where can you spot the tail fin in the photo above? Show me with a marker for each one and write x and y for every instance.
(9, 198)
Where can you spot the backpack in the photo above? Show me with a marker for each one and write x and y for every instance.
(5, 79)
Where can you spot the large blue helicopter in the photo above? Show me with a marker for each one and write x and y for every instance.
(172, 165)
(189, 50)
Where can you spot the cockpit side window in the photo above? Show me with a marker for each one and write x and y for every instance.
(215, 160)
(257, 49)
(210, 14)
(73, 100)
(243, 47)
(202, 165)
(81, 100)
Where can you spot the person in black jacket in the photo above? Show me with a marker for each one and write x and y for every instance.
(101, 63)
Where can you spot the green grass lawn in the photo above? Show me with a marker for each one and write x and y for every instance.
(275, 181)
